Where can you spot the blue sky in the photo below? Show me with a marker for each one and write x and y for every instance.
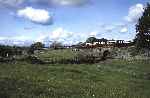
(68, 21)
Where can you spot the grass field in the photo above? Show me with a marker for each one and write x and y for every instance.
(68, 56)
(109, 79)
(56, 54)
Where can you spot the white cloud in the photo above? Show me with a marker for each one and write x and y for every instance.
(2, 38)
(42, 37)
(110, 28)
(61, 33)
(58, 34)
(135, 12)
(94, 33)
(39, 16)
(124, 30)
(21, 38)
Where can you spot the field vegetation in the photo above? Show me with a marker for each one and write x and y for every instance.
(107, 79)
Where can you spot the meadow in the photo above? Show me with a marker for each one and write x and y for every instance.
(107, 79)
(36, 61)
(48, 55)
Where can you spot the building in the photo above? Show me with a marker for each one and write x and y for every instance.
(106, 43)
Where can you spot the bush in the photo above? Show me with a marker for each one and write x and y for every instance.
(87, 56)
(106, 53)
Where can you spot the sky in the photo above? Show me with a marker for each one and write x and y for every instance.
(67, 21)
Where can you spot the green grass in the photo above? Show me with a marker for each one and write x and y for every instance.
(56, 54)
(109, 79)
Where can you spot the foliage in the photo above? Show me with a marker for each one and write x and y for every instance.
(105, 54)
(35, 46)
(68, 56)
(91, 40)
(9, 51)
(109, 79)
(143, 30)
(56, 45)
(56, 56)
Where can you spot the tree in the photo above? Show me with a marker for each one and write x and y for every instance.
(91, 40)
(142, 40)
(56, 45)
(37, 46)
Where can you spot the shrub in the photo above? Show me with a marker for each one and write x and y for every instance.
(106, 53)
